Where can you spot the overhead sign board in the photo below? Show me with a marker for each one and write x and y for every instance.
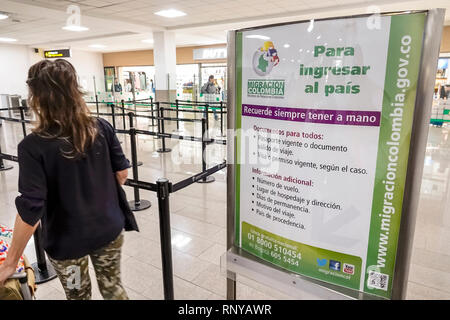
(61, 53)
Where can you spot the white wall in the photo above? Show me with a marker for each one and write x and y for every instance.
(88, 65)
(14, 64)
(16, 59)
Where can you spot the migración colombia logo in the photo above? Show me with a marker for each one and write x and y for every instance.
(265, 59)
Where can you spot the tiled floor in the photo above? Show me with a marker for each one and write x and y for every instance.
(198, 220)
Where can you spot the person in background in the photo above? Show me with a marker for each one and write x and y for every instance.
(217, 86)
(209, 90)
(69, 170)
(442, 93)
(152, 86)
(117, 86)
(128, 86)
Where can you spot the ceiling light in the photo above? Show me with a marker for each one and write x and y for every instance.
(8, 40)
(287, 45)
(147, 41)
(257, 36)
(318, 37)
(97, 46)
(3, 16)
(171, 13)
(75, 28)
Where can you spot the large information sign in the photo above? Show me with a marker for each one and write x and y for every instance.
(325, 112)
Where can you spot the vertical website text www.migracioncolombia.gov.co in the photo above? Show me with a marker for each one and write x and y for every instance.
(396, 116)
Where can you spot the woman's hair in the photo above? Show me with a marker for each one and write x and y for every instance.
(57, 99)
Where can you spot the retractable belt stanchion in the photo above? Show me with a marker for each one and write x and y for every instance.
(158, 122)
(113, 115)
(165, 235)
(221, 121)
(153, 112)
(22, 118)
(139, 163)
(207, 119)
(3, 166)
(163, 138)
(43, 269)
(137, 204)
(205, 140)
(177, 115)
(96, 104)
(122, 103)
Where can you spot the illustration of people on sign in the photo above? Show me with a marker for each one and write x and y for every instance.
(265, 58)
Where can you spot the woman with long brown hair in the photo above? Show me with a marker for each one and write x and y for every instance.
(69, 168)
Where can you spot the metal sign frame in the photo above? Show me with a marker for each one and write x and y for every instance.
(238, 261)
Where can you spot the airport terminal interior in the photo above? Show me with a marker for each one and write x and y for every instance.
(162, 73)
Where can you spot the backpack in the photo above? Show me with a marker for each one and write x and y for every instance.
(205, 88)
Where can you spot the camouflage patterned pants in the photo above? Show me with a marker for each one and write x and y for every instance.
(74, 274)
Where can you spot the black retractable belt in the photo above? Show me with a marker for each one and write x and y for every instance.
(137, 204)
(165, 235)
(205, 141)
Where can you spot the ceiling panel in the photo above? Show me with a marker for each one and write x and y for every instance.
(41, 21)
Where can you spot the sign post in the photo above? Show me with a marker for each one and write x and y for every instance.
(331, 120)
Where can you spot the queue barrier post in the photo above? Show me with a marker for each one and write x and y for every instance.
(96, 104)
(163, 139)
(122, 103)
(153, 112)
(113, 115)
(3, 166)
(165, 236)
(221, 121)
(205, 140)
(177, 115)
(137, 204)
(207, 119)
(158, 122)
(43, 269)
(22, 118)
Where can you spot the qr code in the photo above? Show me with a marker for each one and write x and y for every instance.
(378, 280)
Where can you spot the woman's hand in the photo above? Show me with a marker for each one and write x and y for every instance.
(22, 233)
(122, 176)
(6, 272)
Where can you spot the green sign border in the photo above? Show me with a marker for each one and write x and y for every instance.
(384, 227)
